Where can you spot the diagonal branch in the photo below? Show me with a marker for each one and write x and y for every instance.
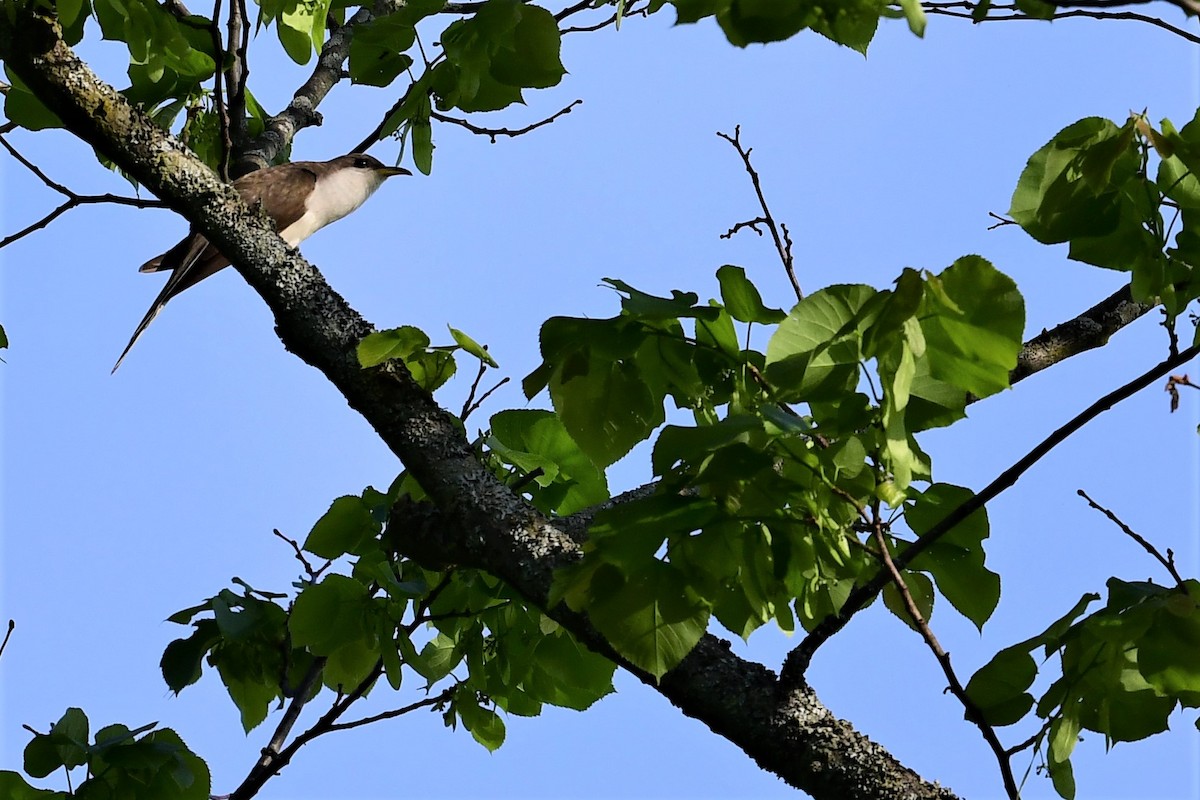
(943, 658)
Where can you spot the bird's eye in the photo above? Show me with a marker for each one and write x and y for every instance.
(362, 163)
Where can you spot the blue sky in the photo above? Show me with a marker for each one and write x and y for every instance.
(129, 497)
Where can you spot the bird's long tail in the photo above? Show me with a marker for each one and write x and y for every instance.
(174, 285)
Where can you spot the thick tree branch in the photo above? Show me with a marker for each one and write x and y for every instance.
(1089, 330)
(789, 733)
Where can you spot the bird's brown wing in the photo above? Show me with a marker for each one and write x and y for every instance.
(194, 258)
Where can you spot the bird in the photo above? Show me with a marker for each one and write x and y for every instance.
(301, 197)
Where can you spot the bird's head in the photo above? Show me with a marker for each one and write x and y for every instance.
(370, 166)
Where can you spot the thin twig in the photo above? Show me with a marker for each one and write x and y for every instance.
(429, 701)
(799, 658)
(11, 626)
(226, 145)
(313, 574)
(948, 10)
(466, 409)
(1000, 221)
(612, 20)
(492, 133)
(483, 397)
(973, 712)
(783, 243)
(1167, 562)
(72, 200)
(291, 714)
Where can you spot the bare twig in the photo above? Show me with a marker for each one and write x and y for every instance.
(466, 409)
(214, 32)
(436, 700)
(961, 9)
(313, 574)
(8, 634)
(483, 397)
(1000, 221)
(799, 658)
(783, 242)
(1167, 561)
(613, 20)
(492, 133)
(291, 714)
(72, 200)
(974, 714)
(582, 5)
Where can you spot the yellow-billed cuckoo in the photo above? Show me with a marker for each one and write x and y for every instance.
(302, 197)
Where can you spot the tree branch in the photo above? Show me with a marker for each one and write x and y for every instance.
(961, 9)
(1168, 561)
(492, 133)
(1089, 330)
(72, 200)
(943, 658)
(783, 244)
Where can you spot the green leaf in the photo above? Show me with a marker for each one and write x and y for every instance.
(742, 300)
(567, 674)
(64, 746)
(647, 306)
(485, 725)
(956, 560)
(1167, 650)
(24, 108)
(653, 618)
(342, 529)
(1000, 688)
(183, 659)
(1070, 187)
(1062, 776)
(473, 347)
(815, 352)
(14, 787)
(607, 409)
(429, 368)
(973, 320)
(532, 58)
(692, 445)
(377, 49)
(534, 440)
(422, 139)
(329, 614)
(915, 14)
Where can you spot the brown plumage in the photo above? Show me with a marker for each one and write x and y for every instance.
(302, 197)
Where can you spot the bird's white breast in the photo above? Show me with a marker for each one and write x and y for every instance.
(334, 196)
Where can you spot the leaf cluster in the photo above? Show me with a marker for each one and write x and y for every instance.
(1122, 671)
(118, 763)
